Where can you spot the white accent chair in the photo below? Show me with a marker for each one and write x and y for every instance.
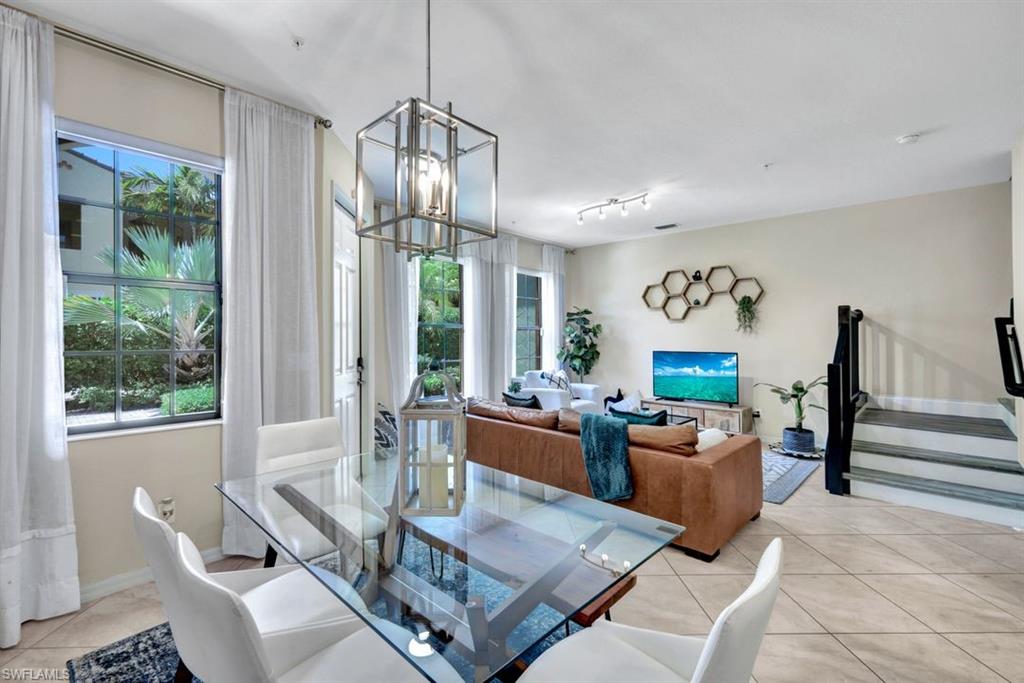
(294, 444)
(280, 600)
(552, 398)
(614, 652)
(221, 640)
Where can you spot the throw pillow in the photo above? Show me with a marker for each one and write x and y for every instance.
(679, 439)
(385, 428)
(658, 419)
(709, 438)
(558, 380)
(521, 401)
(628, 404)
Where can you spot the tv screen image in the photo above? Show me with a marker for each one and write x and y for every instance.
(697, 376)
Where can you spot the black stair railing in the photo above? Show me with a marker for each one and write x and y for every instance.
(1009, 354)
(845, 398)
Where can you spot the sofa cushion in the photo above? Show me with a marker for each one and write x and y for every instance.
(546, 419)
(628, 404)
(679, 439)
(569, 421)
(658, 419)
(521, 401)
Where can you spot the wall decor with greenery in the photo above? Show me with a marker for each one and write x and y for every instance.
(579, 351)
(678, 293)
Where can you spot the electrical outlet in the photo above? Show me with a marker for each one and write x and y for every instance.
(166, 509)
(756, 414)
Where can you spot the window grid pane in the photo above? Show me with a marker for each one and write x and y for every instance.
(528, 323)
(141, 253)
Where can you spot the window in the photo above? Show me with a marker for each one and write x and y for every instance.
(440, 320)
(528, 323)
(140, 248)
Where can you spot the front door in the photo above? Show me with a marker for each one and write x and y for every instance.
(346, 359)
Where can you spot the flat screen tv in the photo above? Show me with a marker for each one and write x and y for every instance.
(697, 376)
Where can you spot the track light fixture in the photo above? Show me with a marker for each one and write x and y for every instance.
(623, 205)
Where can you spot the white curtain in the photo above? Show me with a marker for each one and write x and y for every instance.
(489, 315)
(503, 326)
(271, 358)
(400, 294)
(38, 557)
(477, 261)
(553, 302)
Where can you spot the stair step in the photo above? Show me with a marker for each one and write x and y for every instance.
(942, 457)
(1004, 499)
(1009, 404)
(948, 424)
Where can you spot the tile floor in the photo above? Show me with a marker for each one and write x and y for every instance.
(870, 592)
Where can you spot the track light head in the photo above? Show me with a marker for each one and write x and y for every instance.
(600, 214)
(579, 219)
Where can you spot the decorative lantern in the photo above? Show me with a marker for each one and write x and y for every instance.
(432, 449)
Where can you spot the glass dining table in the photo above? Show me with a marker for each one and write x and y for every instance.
(483, 588)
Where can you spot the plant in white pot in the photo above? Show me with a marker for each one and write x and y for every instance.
(796, 439)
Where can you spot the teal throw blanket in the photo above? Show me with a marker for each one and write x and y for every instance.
(605, 442)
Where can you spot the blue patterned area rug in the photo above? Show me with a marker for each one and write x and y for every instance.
(151, 656)
(783, 475)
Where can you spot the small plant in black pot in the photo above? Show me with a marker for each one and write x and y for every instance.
(796, 439)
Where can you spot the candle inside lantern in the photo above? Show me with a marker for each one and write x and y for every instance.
(438, 475)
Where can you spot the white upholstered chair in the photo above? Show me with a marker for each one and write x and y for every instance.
(294, 444)
(280, 600)
(614, 652)
(221, 640)
(585, 398)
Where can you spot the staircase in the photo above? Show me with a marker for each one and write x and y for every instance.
(960, 465)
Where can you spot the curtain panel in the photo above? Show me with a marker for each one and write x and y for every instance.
(553, 286)
(489, 315)
(38, 556)
(271, 356)
(400, 287)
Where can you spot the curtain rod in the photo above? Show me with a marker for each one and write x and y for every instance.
(112, 48)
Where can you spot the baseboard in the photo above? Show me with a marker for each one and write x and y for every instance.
(119, 582)
(939, 406)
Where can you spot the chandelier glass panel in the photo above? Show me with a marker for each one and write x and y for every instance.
(440, 172)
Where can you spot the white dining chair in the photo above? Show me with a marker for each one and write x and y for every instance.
(222, 641)
(613, 652)
(294, 444)
(282, 599)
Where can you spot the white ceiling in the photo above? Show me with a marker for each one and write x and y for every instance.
(592, 100)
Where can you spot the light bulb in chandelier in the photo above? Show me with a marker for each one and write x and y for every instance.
(600, 214)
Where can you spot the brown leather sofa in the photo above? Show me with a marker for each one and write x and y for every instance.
(712, 493)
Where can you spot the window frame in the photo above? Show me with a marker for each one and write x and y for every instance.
(120, 144)
(444, 326)
(539, 328)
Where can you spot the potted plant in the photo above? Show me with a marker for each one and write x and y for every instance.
(746, 314)
(580, 349)
(796, 439)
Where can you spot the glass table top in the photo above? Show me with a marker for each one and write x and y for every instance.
(479, 588)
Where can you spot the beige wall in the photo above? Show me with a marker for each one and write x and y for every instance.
(179, 462)
(96, 87)
(930, 273)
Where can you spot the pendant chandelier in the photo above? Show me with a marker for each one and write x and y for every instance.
(441, 176)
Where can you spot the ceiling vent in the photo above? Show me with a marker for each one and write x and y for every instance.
(667, 226)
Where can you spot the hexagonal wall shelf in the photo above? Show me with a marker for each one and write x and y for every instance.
(675, 307)
(721, 279)
(746, 286)
(676, 294)
(675, 282)
(655, 295)
(697, 293)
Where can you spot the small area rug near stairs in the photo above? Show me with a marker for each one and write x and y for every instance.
(783, 475)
